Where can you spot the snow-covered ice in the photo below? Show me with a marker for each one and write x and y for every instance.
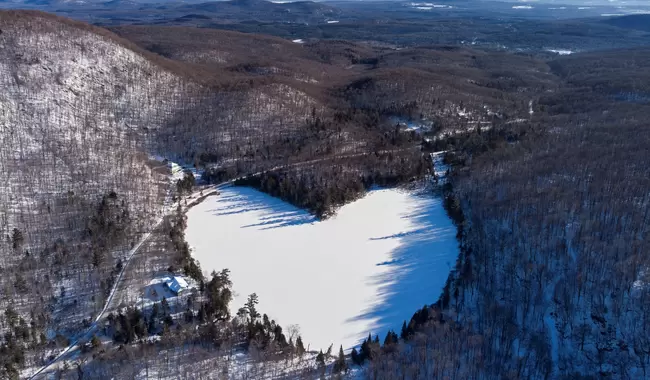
(560, 51)
(366, 269)
(427, 6)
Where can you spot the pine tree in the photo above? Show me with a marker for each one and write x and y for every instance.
(250, 305)
(152, 326)
(320, 359)
(201, 315)
(165, 306)
(329, 351)
(365, 350)
(300, 348)
(404, 334)
(356, 358)
(340, 365)
(389, 340)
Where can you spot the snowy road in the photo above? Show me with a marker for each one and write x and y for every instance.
(91, 330)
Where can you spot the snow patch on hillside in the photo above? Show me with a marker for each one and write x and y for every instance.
(561, 51)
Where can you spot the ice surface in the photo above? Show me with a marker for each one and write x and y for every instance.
(366, 269)
(560, 51)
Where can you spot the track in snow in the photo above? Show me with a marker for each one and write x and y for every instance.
(91, 330)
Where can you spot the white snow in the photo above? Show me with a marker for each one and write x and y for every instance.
(298, 41)
(561, 51)
(522, 7)
(427, 6)
(333, 22)
(408, 125)
(439, 166)
(366, 269)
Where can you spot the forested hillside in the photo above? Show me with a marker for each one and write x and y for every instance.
(82, 113)
(548, 188)
(78, 188)
(552, 280)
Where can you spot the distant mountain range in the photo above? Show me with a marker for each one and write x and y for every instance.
(638, 22)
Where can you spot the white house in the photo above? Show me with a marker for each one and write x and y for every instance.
(176, 284)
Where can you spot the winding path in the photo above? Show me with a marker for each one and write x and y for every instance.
(87, 335)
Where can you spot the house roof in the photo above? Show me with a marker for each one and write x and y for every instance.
(176, 284)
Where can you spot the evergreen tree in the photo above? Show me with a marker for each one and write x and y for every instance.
(320, 359)
(152, 326)
(404, 335)
(356, 358)
(201, 315)
(185, 185)
(165, 306)
(279, 336)
(329, 351)
(300, 348)
(266, 322)
(250, 305)
(391, 338)
(340, 365)
(365, 350)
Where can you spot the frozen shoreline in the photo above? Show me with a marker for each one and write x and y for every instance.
(366, 269)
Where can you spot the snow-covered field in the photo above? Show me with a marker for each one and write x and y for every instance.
(366, 269)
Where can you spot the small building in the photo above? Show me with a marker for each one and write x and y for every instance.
(176, 284)
(175, 168)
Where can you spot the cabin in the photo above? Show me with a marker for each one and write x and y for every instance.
(175, 168)
(176, 284)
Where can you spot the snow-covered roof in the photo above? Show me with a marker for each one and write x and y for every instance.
(175, 168)
(176, 284)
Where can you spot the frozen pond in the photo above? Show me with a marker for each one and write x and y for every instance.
(366, 269)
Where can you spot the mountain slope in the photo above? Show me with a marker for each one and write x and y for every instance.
(81, 111)
(77, 185)
(639, 22)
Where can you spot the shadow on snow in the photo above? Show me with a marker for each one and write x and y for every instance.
(277, 212)
(418, 267)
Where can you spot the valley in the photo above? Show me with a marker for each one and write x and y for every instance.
(299, 190)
